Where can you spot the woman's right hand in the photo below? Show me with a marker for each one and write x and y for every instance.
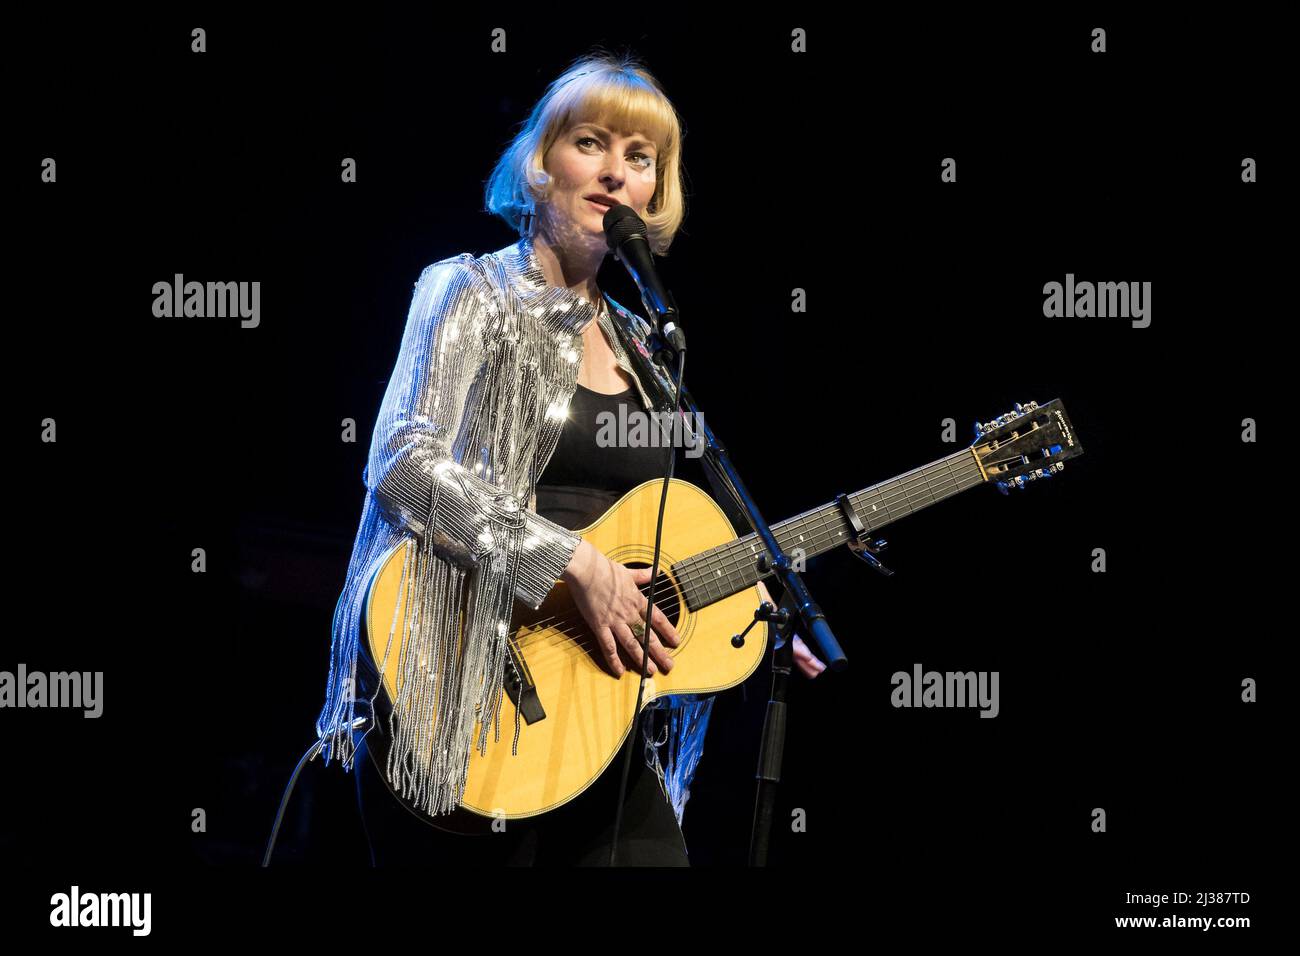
(608, 595)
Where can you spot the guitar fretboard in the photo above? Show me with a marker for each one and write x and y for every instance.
(722, 571)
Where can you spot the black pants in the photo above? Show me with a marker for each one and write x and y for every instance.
(576, 834)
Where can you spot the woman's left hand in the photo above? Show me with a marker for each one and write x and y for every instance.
(805, 660)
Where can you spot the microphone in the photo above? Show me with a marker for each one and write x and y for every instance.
(625, 234)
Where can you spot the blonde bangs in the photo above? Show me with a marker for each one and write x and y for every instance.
(620, 107)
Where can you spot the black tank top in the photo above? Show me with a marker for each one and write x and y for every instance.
(582, 479)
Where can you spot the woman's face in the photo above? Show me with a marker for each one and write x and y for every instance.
(589, 160)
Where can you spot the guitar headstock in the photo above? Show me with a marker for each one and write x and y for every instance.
(1027, 443)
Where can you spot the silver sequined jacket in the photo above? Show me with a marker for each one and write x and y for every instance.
(488, 365)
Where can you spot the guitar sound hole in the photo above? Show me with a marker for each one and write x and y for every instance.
(665, 593)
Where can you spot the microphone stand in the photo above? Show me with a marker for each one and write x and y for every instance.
(797, 605)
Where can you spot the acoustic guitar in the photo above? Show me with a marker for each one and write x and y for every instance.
(575, 714)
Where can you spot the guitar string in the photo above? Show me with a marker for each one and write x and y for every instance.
(916, 475)
(733, 554)
(688, 576)
(900, 487)
(828, 530)
(577, 631)
(824, 536)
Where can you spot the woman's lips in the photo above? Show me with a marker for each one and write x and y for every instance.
(603, 207)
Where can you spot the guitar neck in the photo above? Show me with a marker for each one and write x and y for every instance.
(722, 571)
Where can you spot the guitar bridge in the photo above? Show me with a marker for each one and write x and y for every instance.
(519, 685)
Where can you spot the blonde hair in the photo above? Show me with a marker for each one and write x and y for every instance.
(618, 93)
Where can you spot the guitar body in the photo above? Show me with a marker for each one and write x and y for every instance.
(588, 711)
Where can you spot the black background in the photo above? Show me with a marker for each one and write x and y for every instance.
(819, 171)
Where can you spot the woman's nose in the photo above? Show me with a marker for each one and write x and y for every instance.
(614, 173)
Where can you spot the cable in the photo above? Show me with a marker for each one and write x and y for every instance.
(645, 630)
(312, 751)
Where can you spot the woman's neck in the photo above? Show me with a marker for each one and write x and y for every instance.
(570, 267)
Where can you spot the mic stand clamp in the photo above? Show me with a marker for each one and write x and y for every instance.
(764, 612)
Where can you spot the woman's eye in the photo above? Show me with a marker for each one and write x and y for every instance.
(649, 160)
